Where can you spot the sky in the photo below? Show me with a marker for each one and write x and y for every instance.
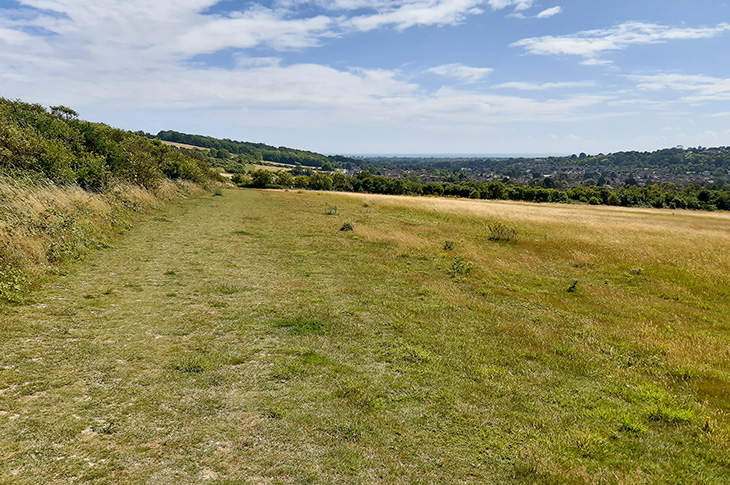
(384, 76)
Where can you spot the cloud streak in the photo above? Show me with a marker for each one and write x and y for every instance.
(699, 88)
(528, 86)
(591, 44)
(549, 12)
(461, 72)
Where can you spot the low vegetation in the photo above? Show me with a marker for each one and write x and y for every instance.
(68, 185)
(245, 339)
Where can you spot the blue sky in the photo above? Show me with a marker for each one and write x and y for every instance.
(384, 76)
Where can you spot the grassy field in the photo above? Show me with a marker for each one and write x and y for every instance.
(247, 339)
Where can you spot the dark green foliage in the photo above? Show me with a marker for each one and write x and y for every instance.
(663, 195)
(347, 226)
(67, 150)
(238, 179)
(449, 245)
(262, 178)
(573, 287)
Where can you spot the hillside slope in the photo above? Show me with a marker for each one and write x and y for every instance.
(247, 338)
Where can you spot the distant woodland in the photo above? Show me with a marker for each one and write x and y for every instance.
(676, 178)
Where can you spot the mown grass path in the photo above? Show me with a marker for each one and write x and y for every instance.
(245, 339)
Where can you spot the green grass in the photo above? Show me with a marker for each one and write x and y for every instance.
(251, 341)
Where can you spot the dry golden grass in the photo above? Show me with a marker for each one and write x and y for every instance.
(42, 223)
(183, 145)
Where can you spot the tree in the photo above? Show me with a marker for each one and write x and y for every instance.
(64, 112)
(261, 178)
(320, 181)
(285, 179)
(341, 182)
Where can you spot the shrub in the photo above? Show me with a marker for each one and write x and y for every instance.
(499, 231)
(347, 226)
(238, 179)
(449, 245)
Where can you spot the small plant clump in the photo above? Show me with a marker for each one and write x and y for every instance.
(499, 231)
(573, 287)
(671, 415)
(461, 267)
(449, 245)
(330, 210)
(347, 226)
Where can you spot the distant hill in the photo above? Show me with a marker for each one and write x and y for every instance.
(253, 152)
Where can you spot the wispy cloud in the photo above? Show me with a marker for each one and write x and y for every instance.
(592, 43)
(406, 14)
(517, 4)
(699, 87)
(549, 12)
(461, 72)
(528, 86)
(253, 28)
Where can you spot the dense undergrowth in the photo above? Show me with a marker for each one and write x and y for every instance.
(67, 185)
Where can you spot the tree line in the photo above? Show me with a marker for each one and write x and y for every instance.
(664, 195)
(256, 152)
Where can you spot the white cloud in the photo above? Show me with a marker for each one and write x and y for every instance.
(517, 4)
(549, 12)
(461, 72)
(699, 87)
(528, 86)
(252, 28)
(418, 12)
(592, 43)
